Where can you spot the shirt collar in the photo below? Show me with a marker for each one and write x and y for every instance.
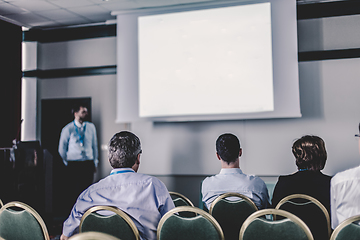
(121, 169)
(78, 124)
(230, 170)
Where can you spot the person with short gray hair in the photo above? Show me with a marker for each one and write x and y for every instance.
(144, 198)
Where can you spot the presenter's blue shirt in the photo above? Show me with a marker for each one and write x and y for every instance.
(78, 142)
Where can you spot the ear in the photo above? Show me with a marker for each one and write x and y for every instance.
(138, 159)
(240, 152)
(218, 156)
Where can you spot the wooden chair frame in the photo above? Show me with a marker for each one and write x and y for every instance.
(115, 210)
(32, 212)
(275, 212)
(190, 209)
(313, 200)
(232, 194)
(342, 225)
(187, 200)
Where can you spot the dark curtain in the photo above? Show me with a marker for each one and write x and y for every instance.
(10, 82)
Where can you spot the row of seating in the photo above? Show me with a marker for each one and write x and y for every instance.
(228, 218)
(231, 216)
(18, 221)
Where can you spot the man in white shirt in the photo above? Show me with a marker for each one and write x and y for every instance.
(144, 198)
(231, 178)
(345, 194)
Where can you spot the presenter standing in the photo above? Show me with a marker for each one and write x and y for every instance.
(79, 151)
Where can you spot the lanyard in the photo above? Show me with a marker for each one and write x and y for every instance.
(81, 137)
(121, 171)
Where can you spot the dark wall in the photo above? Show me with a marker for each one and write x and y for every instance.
(10, 82)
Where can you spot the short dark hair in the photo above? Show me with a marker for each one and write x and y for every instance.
(310, 153)
(123, 149)
(76, 107)
(228, 147)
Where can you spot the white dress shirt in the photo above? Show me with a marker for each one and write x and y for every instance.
(144, 198)
(234, 180)
(345, 195)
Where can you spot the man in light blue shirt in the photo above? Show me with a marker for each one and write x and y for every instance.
(78, 149)
(231, 178)
(144, 198)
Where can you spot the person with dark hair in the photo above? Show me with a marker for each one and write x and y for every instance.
(144, 198)
(345, 194)
(310, 157)
(231, 178)
(78, 149)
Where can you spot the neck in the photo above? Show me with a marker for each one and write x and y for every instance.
(230, 165)
(79, 120)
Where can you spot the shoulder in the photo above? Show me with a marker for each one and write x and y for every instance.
(68, 127)
(90, 124)
(346, 175)
(146, 179)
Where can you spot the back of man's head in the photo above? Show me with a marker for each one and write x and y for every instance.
(123, 149)
(228, 147)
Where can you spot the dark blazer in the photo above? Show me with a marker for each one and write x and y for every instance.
(312, 183)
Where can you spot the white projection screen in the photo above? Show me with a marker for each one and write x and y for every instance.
(209, 62)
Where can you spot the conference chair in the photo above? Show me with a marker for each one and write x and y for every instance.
(21, 222)
(180, 200)
(109, 220)
(347, 230)
(230, 210)
(259, 227)
(310, 211)
(173, 226)
(93, 236)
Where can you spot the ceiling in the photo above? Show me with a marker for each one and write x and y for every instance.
(47, 14)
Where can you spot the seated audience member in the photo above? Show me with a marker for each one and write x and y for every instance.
(310, 155)
(231, 178)
(345, 194)
(144, 198)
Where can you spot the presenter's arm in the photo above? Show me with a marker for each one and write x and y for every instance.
(64, 143)
(95, 149)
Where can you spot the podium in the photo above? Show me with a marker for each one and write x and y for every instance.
(26, 175)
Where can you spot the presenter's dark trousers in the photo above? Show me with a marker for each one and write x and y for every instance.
(81, 176)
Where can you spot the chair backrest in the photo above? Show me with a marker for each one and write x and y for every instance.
(114, 222)
(230, 210)
(21, 222)
(256, 227)
(93, 236)
(309, 210)
(173, 226)
(347, 230)
(180, 200)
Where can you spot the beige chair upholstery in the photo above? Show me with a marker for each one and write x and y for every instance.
(93, 236)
